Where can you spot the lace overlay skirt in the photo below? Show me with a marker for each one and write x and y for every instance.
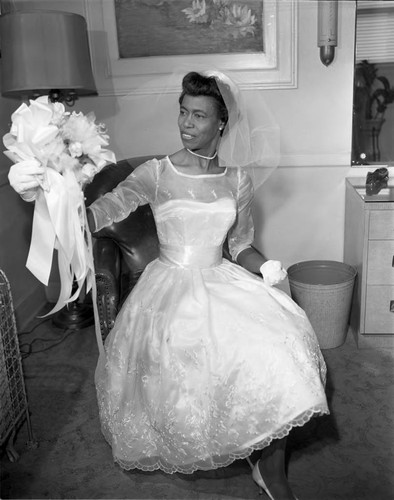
(203, 366)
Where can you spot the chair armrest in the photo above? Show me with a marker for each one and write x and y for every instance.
(106, 256)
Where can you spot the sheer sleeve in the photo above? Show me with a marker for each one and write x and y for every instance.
(241, 234)
(139, 188)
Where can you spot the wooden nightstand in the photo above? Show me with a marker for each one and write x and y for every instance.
(369, 247)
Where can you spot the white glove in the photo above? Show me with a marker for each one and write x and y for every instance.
(273, 272)
(25, 177)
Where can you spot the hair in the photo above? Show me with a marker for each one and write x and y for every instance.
(194, 84)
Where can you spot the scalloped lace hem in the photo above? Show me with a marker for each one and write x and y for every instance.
(225, 460)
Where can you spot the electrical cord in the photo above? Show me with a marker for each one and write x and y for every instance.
(34, 327)
(26, 349)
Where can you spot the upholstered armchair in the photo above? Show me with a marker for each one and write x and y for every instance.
(121, 251)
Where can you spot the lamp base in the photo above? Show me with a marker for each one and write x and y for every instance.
(75, 316)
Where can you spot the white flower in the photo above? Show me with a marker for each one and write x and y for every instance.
(75, 149)
(197, 13)
(241, 17)
(59, 113)
(32, 131)
(88, 172)
(236, 18)
(58, 139)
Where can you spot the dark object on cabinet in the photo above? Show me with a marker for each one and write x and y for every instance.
(376, 180)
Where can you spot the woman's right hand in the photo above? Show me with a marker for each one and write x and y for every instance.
(25, 177)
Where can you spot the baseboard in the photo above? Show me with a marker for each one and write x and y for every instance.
(375, 341)
(372, 341)
(29, 307)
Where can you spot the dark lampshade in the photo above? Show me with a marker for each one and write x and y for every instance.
(44, 51)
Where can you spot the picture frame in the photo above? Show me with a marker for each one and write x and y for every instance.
(273, 68)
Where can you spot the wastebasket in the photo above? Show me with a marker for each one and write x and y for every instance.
(324, 289)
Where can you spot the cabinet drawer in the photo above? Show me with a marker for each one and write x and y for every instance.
(381, 225)
(380, 262)
(379, 310)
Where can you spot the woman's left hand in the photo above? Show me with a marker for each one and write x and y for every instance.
(273, 272)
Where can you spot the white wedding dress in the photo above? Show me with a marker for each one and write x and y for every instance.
(205, 363)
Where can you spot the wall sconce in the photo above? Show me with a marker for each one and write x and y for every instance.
(45, 53)
(327, 29)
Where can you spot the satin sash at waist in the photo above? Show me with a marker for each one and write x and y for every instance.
(191, 256)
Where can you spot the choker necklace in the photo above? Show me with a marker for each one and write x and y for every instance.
(201, 156)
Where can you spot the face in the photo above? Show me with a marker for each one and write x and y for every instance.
(199, 123)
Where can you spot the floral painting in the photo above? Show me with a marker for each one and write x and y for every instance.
(183, 27)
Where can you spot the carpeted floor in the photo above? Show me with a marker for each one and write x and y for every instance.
(347, 455)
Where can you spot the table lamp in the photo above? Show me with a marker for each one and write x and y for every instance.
(45, 53)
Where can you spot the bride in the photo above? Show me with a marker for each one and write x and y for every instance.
(207, 360)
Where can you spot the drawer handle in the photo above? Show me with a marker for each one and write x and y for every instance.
(392, 306)
(392, 262)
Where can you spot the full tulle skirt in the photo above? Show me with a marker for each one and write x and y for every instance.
(203, 366)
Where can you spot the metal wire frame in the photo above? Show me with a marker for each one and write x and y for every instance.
(13, 400)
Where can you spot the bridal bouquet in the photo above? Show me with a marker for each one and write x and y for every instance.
(72, 148)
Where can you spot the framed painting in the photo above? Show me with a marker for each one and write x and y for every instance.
(136, 43)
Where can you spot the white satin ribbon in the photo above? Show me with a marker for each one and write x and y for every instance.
(60, 223)
(191, 255)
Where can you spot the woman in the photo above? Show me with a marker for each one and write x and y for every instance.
(206, 362)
